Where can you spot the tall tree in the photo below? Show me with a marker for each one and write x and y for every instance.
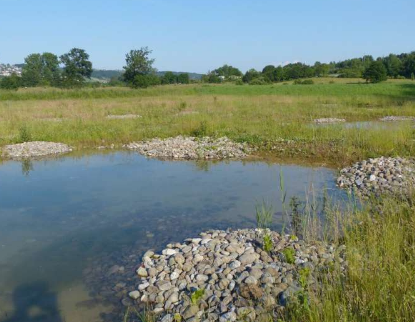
(138, 66)
(41, 69)
(375, 72)
(76, 67)
(183, 78)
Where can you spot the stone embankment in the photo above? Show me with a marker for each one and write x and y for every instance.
(378, 175)
(34, 149)
(397, 118)
(191, 148)
(227, 275)
(329, 120)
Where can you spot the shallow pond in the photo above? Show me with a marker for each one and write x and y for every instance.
(65, 223)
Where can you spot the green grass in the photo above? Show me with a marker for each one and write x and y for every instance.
(379, 283)
(275, 118)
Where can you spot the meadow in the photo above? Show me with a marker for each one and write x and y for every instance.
(276, 118)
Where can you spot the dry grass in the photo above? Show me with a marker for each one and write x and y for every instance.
(274, 117)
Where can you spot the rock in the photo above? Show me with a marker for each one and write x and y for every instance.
(329, 120)
(250, 280)
(134, 295)
(251, 291)
(248, 258)
(142, 272)
(202, 278)
(34, 149)
(191, 148)
(190, 312)
(164, 285)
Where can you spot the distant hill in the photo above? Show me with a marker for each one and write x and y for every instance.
(105, 74)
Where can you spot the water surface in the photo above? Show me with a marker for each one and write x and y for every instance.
(61, 217)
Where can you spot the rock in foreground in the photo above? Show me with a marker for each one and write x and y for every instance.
(191, 148)
(378, 175)
(34, 149)
(227, 276)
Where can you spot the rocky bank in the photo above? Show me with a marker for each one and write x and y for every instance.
(378, 175)
(34, 149)
(227, 275)
(191, 148)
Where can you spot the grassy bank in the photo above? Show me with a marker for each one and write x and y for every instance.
(276, 118)
(379, 284)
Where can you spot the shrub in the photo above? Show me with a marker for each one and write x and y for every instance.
(24, 134)
(239, 82)
(258, 81)
(303, 82)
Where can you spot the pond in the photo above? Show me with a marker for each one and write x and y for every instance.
(376, 125)
(66, 223)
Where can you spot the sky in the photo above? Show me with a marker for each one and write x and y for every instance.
(201, 35)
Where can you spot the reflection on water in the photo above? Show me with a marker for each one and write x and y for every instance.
(59, 219)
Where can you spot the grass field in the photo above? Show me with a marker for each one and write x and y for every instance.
(277, 118)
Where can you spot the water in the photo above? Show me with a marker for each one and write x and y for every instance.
(65, 222)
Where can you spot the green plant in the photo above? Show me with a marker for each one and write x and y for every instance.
(264, 213)
(201, 130)
(24, 134)
(267, 242)
(196, 296)
(177, 317)
(289, 255)
(182, 106)
(239, 82)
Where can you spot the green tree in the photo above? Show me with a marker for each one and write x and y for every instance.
(393, 65)
(375, 72)
(268, 72)
(76, 67)
(169, 78)
(138, 63)
(250, 75)
(32, 70)
(183, 78)
(409, 65)
(12, 82)
(41, 69)
(228, 72)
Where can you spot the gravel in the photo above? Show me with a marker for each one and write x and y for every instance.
(329, 120)
(191, 148)
(378, 175)
(34, 149)
(235, 277)
(123, 116)
(397, 118)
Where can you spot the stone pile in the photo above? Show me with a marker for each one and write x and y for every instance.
(329, 120)
(34, 149)
(191, 148)
(123, 116)
(227, 275)
(378, 175)
(397, 118)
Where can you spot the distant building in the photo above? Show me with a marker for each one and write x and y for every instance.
(7, 70)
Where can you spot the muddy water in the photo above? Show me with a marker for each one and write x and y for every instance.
(65, 223)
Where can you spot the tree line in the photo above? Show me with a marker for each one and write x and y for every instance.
(392, 66)
(74, 68)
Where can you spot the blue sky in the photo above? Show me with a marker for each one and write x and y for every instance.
(200, 35)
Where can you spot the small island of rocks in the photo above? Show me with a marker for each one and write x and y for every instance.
(191, 148)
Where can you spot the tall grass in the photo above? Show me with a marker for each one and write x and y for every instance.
(275, 118)
(379, 283)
